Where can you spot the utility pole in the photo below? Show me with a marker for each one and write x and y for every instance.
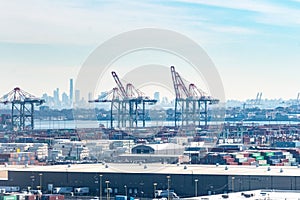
(100, 182)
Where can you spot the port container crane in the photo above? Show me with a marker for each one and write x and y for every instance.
(22, 107)
(191, 103)
(125, 104)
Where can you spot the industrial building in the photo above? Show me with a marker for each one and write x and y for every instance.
(254, 195)
(141, 181)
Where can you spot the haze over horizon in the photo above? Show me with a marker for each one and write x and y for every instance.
(254, 44)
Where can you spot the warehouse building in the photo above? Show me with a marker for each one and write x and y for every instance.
(140, 180)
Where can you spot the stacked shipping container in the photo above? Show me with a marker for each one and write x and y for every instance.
(18, 158)
(255, 157)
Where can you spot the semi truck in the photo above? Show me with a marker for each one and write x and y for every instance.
(63, 190)
(81, 191)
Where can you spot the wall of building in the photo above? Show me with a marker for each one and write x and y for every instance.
(140, 184)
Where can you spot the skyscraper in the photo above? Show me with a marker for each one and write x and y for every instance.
(56, 96)
(71, 91)
(90, 96)
(157, 96)
(77, 96)
(65, 99)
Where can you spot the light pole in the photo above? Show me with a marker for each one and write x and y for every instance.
(32, 181)
(154, 189)
(168, 177)
(196, 187)
(100, 182)
(125, 187)
(232, 183)
(107, 190)
(40, 174)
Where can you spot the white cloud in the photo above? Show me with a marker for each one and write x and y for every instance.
(276, 14)
(90, 23)
(60, 22)
(249, 5)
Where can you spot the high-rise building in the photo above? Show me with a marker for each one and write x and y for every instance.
(90, 96)
(71, 91)
(157, 96)
(65, 99)
(56, 96)
(77, 96)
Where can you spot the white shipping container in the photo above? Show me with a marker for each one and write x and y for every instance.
(262, 162)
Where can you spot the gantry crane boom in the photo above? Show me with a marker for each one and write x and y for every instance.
(195, 92)
(190, 103)
(181, 90)
(119, 84)
(125, 104)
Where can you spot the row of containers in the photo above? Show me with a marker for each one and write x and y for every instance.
(22, 196)
(288, 157)
(18, 158)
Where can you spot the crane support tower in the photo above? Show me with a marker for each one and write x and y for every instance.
(112, 97)
(22, 107)
(128, 104)
(191, 103)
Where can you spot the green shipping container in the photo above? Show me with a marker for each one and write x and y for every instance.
(260, 158)
(255, 154)
(269, 153)
(264, 164)
(8, 197)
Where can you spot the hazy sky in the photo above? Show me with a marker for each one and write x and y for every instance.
(254, 44)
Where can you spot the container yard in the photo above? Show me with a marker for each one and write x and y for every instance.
(283, 157)
(125, 100)
(198, 149)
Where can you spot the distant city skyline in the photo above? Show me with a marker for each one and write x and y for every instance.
(254, 44)
(70, 98)
(61, 100)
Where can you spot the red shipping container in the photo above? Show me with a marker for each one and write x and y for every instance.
(246, 163)
(30, 197)
(56, 197)
(230, 160)
(53, 197)
(279, 164)
(225, 157)
(246, 155)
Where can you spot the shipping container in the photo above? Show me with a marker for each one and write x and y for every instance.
(260, 158)
(53, 197)
(262, 162)
(264, 165)
(246, 163)
(20, 196)
(256, 154)
(120, 197)
(8, 197)
(30, 197)
(278, 153)
(232, 163)
(269, 154)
